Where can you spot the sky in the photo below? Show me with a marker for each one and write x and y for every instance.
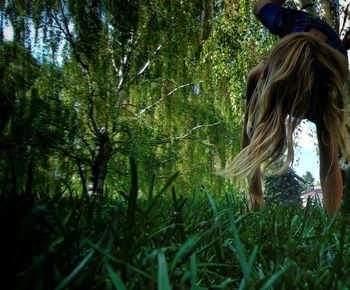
(306, 156)
(8, 33)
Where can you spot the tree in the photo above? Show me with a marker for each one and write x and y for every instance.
(283, 188)
(309, 181)
(110, 52)
(162, 81)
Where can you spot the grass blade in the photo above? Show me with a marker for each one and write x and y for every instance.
(186, 249)
(238, 245)
(115, 277)
(252, 258)
(275, 277)
(163, 274)
(164, 188)
(219, 247)
(76, 271)
(194, 271)
(131, 210)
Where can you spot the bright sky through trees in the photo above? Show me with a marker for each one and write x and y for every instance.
(306, 155)
(8, 33)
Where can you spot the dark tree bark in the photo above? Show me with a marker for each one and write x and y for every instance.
(103, 154)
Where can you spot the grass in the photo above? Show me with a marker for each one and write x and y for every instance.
(170, 240)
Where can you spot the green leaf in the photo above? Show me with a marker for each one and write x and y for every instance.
(238, 245)
(76, 270)
(219, 248)
(163, 275)
(194, 271)
(186, 249)
(115, 277)
(164, 188)
(269, 283)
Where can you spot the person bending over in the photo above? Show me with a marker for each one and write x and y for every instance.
(302, 77)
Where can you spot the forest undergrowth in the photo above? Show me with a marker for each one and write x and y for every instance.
(168, 239)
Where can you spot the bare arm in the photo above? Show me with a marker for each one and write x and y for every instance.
(261, 3)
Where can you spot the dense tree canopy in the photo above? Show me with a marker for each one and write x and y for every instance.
(87, 84)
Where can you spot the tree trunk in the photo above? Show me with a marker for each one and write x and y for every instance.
(307, 3)
(328, 15)
(29, 182)
(325, 11)
(103, 153)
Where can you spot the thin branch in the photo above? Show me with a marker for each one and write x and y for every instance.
(92, 115)
(185, 136)
(346, 14)
(66, 32)
(65, 23)
(164, 97)
(146, 64)
(122, 71)
(125, 64)
(86, 143)
(83, 180)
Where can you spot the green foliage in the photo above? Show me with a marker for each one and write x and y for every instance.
(31, 120)
(161, 81)
(309, 181)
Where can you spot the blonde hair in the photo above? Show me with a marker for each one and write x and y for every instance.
(303, 78)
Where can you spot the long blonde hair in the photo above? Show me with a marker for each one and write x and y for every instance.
(304, 78)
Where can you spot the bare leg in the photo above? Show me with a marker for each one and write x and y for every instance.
(330, 174)
(254, 182)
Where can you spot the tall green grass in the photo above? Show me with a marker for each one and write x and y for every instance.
(170, 240)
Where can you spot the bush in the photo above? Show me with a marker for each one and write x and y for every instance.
(284, 188)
